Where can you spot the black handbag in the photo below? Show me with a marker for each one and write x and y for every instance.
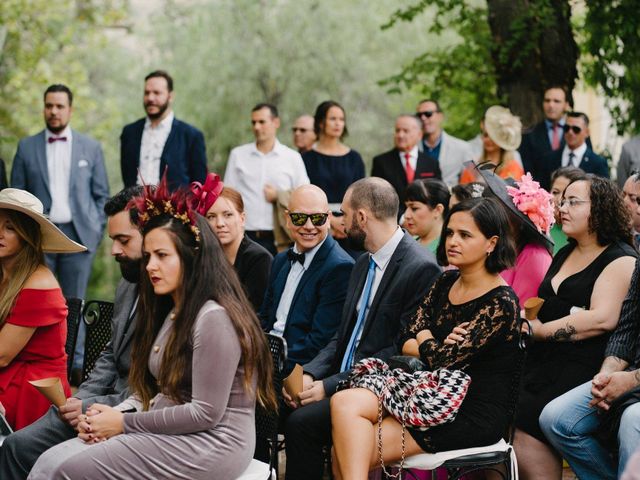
(406, 363)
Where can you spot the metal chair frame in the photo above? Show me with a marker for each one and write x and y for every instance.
(74, 317)
(97, 315)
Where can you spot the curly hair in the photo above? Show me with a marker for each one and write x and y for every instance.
(609, 218)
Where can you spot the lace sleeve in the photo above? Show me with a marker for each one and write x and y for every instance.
(422, 318)
(493, 322)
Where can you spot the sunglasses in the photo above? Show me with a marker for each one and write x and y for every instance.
(576, 129)
(317, 219)
(426, 113)
(301, 130)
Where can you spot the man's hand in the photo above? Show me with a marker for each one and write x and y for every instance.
(270, 193)
(606, 388)
(313, 394)
(70, 411)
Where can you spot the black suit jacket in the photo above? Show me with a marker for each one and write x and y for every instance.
(535, 147)
(406, 280)
(184, 154)
(591, 163)
(253, 266)
(3, 175)
(389, 167)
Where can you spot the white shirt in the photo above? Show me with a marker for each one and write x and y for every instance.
(249, 170)
(290, 287)
(151, 147)
(381, 259)
(578, 154)
(59, 168)
(413, 159)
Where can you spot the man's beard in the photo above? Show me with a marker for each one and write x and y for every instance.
(56, 130)
(130, 268)
(161, 109)
(356, 236)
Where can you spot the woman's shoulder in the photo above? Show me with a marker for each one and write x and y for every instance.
(41, 279)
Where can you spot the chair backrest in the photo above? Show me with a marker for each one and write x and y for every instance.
(74, 314)
(524, 340)
(97, 318)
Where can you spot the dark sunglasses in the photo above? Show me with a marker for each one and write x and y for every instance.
(426, 113)
(301, 130)
(576, 129)
(299, 219)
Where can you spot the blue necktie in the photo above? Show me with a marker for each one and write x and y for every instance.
(364, 305)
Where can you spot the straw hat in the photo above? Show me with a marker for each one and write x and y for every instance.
(503, 127)
(53, 240)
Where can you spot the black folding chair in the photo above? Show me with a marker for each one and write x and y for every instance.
(266, 420)
(97, 318)
(74, 314)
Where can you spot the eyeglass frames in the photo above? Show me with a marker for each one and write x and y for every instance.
(317, 219)
(301, 130)
(574, 128)
(426, 113)
(572, 202)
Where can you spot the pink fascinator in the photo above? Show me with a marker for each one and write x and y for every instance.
(533, 201)
(203, 196)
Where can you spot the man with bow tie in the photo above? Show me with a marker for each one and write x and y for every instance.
(65, 170)
(308, 282)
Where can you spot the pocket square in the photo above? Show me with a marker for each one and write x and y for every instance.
(83, 163)
(427, 174)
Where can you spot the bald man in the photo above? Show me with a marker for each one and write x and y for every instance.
(308, 282)
(304, 135)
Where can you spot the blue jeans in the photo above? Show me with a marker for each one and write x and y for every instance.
(568, 423)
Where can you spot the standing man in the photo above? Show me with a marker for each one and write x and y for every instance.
(65, 170)
(547, 136)
(575, 153)
(629, 159)
(385, 288)
(405, 162)
(160, 141)
(261, 169)
(449, 151)
(108, 381)
(304, 135)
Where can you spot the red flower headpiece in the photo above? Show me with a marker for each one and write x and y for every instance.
(156, 201)
(206, 195)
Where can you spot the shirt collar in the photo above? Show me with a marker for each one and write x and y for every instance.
(309, 254)
(384, 254)
(277, 148)
(549, 123)
(413, 153)
(424, 140)
(164, 123)
(578, 152)
(64, 133)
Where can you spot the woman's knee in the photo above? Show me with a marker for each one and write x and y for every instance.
(353, 402)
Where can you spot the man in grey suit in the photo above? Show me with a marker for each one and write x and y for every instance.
(107, 383)
(65, 170)
(385, 289)
(629, 160)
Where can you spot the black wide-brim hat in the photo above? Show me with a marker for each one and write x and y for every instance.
(498, 187)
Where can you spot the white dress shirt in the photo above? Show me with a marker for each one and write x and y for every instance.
(59, 168)
(578, 154)
(381, 259)
(413, 159)
(249, 170)
(290, 287)
(151, 147)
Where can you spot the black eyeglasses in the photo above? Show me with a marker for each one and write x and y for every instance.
(317, 219)
(301, 130)
(576, 129)
(426, 113)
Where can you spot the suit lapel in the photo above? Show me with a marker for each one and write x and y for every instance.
(164, 158)
(41, 156)
(278, 288)
(121, 342)
(316, 263)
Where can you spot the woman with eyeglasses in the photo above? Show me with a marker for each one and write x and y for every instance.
(583, 293)
(559, 181)
(427, 203)
(332, 165)
(501, 136)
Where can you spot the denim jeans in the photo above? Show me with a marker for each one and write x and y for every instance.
(568, 423)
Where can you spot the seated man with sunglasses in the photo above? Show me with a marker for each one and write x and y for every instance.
(308, 283)
(576, 151)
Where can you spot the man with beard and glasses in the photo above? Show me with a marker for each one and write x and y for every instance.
(107, 384)
(160, 141)
(385, 288)
(65, 170)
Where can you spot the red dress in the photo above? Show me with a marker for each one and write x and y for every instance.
(43, 356)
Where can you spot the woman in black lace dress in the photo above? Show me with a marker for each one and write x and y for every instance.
(467, 321)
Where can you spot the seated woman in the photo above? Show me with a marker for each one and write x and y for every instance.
(199, 361)
(530, 211)
(33, 312)
(559, 181)
(468, 321)
(583, 292)
(251, 261)
(501, 136)
(427, 203)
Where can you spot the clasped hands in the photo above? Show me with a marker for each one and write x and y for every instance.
(312, 391)
(99, 423)
(607, 387)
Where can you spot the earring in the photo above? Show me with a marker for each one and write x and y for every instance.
(488, 253)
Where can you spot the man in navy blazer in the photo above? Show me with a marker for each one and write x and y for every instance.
(384, 291)
(405, 162)
(308, 283)
(576, 152)
(160, 141)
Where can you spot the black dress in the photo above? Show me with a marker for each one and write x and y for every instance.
(488, 354)
(253, 265)
(333, 173)
(554, 368)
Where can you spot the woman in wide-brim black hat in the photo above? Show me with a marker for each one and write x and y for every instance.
(530, 212)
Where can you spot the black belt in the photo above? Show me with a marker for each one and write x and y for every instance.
(261, 234)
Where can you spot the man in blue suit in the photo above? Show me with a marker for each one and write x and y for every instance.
(308, 282)
(160, 141)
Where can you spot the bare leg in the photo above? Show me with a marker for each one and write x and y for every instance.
(536, 460)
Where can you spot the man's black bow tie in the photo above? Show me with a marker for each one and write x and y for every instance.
(295, 257)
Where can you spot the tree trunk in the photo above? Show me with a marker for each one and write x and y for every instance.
(533, 49)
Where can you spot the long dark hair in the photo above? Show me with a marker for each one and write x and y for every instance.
(206, 275)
